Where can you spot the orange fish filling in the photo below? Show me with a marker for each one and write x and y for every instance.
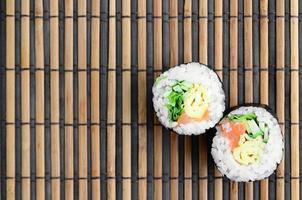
(185, 119)
(233, 131)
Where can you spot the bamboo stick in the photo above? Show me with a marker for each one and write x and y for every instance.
(126, 100)
(68, 62)
(203, 33)
(203, 168)
(157, 28)
(233, 53)
(233, 73)
(280, 47)
(188, 167)
(82, 97)
(248, 51)
(174, 166)
(111, 104)
(187, 31)
(142, 99)
(25, 100)
(218, 38)
(54, 100)
(39, 49)
(218, 66)
(264, 73)
(173, 25)
(248, 64)
(95, 100)
(188, 58)
(294, 59)
(10, 100)
(203, 58)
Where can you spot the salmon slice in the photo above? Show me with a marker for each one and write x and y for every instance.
(185, 119)
(232, 131)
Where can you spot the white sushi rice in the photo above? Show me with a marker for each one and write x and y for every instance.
(270, 157)
(194, 73)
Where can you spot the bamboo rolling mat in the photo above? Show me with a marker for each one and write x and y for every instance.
(76, 113)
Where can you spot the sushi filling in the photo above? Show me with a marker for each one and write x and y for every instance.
(247, 137)
(187, 102)
(188, 99)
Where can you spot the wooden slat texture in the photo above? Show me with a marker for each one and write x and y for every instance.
(173, 25)
(248, 64)
(10, 100)
(111, 153)
(294, 66)
(188, 58)
(68, 65)
(25, 100)
(264, 73)
(203, 58)
(39, 49)
(233, 73)
(61, 96)
(126, 98)
(54, 101)
(95, 100)
(82, 100)
(280, 99)
(142, 100)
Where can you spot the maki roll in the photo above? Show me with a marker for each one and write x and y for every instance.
(188, 98)
(248, 144)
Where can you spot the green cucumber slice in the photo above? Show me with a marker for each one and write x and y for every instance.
(253, 129)
(242, 118)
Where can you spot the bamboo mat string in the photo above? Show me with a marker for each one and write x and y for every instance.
(10, 101)
(95, 100)
(111, 106)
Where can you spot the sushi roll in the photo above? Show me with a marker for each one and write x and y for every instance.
(188, 98)
(248, 144)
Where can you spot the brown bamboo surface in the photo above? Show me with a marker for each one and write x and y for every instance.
(76, 113)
